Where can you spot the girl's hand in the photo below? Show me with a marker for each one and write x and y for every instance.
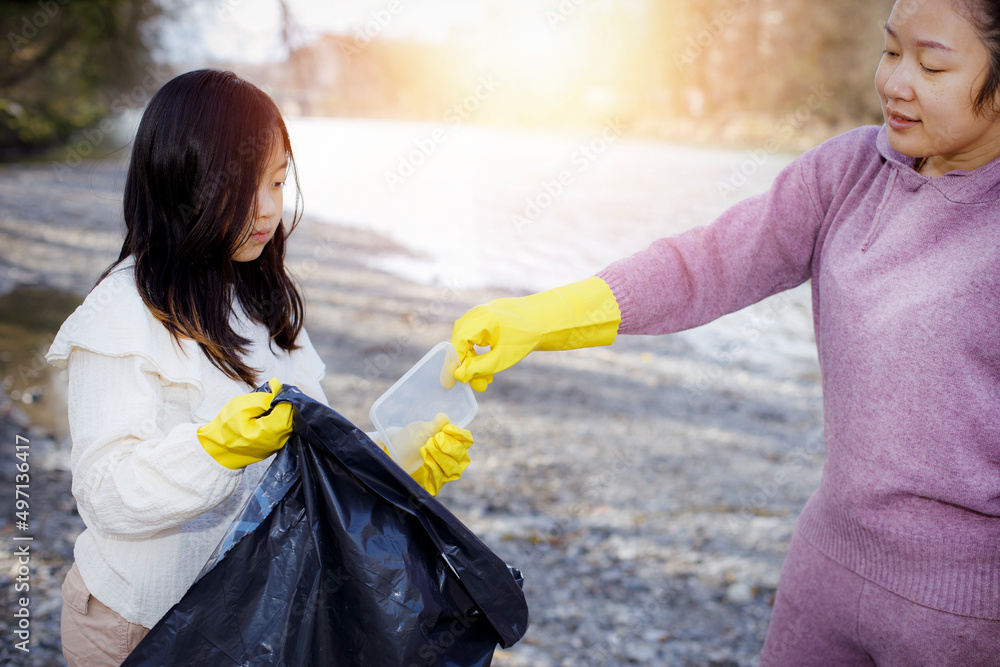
(445, 456)
(242, 434)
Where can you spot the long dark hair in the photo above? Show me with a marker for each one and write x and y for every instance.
(985, 16)
(190, 195)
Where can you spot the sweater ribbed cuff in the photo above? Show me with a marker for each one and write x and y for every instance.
(629, 312)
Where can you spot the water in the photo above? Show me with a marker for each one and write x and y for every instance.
(488, 207)
(29, 318)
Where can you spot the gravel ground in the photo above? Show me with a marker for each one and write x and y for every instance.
(647, 490)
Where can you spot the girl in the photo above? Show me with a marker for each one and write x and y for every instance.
(896, 557)
(168, 438)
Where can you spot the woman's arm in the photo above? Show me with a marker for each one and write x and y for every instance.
(759, 247)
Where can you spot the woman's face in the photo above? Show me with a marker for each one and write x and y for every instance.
(270, 201)
(933, 68)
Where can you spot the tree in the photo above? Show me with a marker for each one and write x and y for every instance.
(65, 65)
(771, 57)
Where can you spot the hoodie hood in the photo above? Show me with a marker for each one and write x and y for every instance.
(960, 186)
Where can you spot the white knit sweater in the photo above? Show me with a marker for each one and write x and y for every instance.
(154, 502)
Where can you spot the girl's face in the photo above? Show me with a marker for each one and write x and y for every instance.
(932, 69)
(270, 200)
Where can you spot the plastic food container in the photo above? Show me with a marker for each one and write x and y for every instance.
(404, 415)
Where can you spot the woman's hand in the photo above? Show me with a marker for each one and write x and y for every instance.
(582, 314)
(242, 434)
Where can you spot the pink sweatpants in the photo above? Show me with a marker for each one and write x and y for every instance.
(825, 614)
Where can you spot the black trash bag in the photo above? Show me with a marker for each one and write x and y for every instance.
(339, 558)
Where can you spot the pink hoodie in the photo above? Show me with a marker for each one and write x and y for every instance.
(905, 277)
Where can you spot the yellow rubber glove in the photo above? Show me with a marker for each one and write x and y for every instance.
(445, 456)
(239, 435)
(581, 314)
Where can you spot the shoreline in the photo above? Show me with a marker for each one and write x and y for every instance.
(638, 503)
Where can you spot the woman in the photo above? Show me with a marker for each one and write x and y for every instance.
(896, 557)
(169, 439)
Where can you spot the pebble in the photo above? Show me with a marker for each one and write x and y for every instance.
(739, 593)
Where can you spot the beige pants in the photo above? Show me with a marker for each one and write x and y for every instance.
(92, 634)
